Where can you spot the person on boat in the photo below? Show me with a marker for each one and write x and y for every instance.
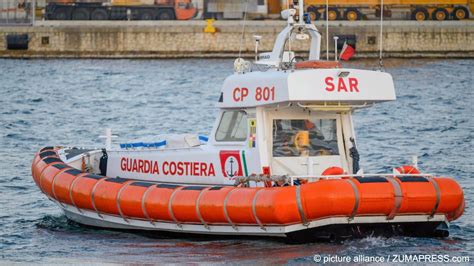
(295, 138)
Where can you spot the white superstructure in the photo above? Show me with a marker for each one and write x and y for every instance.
(282, 120)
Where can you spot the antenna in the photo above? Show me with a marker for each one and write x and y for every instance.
(381, 36)
(257, 42)
(335, 47)
(301, 7)
(327, 30)
(290, 20)
(243, 28)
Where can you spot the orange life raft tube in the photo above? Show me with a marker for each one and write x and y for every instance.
(214, 205)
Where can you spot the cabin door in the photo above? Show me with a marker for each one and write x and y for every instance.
(304, 143)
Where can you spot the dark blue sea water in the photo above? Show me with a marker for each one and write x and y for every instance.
(71, 102)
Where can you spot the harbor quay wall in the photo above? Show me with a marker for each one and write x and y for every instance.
(183, 39)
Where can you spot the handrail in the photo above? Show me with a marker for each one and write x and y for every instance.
(339, 105)
(359, 175)
(312, 177)
(290, 179)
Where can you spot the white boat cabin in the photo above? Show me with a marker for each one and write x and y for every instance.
(284, 120)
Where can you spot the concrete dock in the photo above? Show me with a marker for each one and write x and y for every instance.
(184, 39)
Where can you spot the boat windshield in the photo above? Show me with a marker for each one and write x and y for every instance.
(304, 137)
(232, 127)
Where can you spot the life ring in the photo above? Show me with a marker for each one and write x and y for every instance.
(407, 169)
(334, 170)
(317, 64)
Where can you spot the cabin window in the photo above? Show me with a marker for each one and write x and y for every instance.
(309, 137)
(233, 126)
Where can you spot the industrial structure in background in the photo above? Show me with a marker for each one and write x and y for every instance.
(120, 10)
(20, 11)
(17, 12)
(235, 9)
(343, 9)
(415, 9)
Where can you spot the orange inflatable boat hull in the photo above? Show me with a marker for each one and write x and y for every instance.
(349, 197)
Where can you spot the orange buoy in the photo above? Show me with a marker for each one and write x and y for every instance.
(407, 169)
(334, 170)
